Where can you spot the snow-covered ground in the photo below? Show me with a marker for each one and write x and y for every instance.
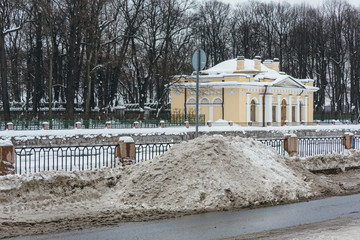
(31, 134)
(72, 158)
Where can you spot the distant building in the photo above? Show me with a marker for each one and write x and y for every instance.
(243, 90)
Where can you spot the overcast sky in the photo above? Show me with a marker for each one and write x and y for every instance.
(315, 3)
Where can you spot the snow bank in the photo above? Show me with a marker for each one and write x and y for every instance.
(126, 139)
(349, 159)
(22, 136)
(214, 173)
(205, 174)
(221, 122)
(4, 143)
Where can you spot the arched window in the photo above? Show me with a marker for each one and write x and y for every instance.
(217, 101)
(253, 111)
(204, 101)
(283, 111)
(191, 101)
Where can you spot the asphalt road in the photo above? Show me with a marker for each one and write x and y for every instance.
(222, 224)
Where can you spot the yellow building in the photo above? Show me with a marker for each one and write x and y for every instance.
(243, 90)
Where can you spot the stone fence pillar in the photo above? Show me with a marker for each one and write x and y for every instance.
(78, 125)
(162, 124)
(348, 140)
(10, 126)
(291, 144)
(45, 125)
(268, 123)
(7, 157)
(125, 151)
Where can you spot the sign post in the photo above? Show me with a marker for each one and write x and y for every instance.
(198, 63)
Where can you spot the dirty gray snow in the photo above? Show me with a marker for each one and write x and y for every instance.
(349, 159)
(205, 174)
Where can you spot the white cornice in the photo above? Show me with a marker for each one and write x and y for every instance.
(255, 85)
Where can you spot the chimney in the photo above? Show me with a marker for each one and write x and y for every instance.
(240, 63)
(276, 64)
(257, 61)
(269, 63)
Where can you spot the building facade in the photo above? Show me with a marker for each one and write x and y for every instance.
(243, 91)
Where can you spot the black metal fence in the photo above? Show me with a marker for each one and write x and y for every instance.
(278, 144)
(323, 145)
(69, 158)
(147, 151)
(97, 124)
(66, 158)
(328, 117)
(313, 146)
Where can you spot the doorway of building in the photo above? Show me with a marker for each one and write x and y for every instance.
(253, 111)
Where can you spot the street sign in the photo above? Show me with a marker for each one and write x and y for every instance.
(198, 63)
(195, 60)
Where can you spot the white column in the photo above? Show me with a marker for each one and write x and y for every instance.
(268, 108)
(306, 109)
(278, 110)
(290, 108)
(260, 118)
(248, 107)
(211, 113)
(298, 109)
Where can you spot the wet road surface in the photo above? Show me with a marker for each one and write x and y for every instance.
(222, 224)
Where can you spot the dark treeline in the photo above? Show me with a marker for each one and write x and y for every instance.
(101, 53)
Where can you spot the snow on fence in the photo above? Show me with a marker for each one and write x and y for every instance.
(69, 158)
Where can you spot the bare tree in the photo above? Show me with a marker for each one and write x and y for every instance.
(212, 29)
(10, 21)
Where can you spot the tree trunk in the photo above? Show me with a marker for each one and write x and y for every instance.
(38, 91)
(3, 75)
(89, 85)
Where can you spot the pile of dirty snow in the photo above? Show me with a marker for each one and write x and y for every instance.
(205, 174)
(347, 160)
(213, 173)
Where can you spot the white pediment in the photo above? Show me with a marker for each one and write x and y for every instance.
(288, 82)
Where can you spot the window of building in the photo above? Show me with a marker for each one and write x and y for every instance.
(204, 101)
(293, 115)
(191, 101)
(253, 111)
(217, 101)
(283, 110)
(274, 113)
